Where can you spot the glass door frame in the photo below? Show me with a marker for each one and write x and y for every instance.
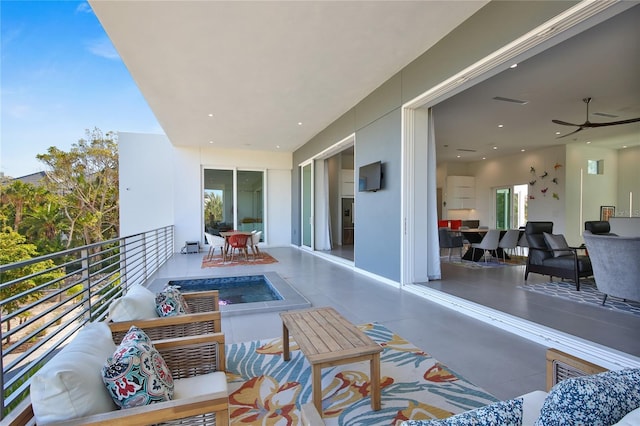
(310, 219)
(235, 171)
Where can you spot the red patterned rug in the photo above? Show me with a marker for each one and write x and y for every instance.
(238, 260)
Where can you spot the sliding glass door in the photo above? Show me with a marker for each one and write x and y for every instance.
(511, 206)
(233, 199)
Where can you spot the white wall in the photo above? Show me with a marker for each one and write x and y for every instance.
(165, 186)
(628, 181)
(516, 170)
(597, 190)
(146, 196)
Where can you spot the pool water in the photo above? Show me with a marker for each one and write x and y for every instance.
(233, 290)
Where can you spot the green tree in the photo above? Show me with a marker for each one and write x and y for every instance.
(212, 208)
(13, 248)
(44, 224)
(14, 198)
(86, 178)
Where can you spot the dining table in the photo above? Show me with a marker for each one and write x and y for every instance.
(226, 235)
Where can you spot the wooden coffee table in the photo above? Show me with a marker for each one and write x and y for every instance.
(327, 339)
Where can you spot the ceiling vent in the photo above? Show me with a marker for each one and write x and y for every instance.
(514, 101)
(604, 114)
(466, 150)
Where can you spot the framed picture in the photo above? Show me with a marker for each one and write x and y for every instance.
(606, 212)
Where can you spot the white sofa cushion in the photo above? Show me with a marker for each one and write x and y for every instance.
(70, 384)
(531, 405)
(212, 383)
(138, 303)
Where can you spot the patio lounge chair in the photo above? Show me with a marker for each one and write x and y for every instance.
(137, 307)
(197, 364)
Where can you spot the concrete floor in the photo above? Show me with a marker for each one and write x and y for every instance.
(501, 362)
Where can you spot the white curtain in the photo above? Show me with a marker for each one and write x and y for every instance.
(433, 246)
(327, 208)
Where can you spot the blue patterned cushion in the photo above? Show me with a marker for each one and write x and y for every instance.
(136, 374)
(502, 413)
(170, 302)
(601, 399)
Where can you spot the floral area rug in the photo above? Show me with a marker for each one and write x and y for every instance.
(238, 260)
(265, 390)
(588, 294)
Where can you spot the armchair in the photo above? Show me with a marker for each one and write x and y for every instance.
(137, 307)
(197, 364)
(615, 264)
(560, 261)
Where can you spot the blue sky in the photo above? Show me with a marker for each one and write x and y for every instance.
(60, 75)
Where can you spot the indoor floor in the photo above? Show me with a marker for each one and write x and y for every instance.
(500, 362)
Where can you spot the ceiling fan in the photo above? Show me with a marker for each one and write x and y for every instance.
(587, 124)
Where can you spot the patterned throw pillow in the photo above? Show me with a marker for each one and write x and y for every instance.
(170, 302)
(601, 399)
(502, 413)
(136, 374)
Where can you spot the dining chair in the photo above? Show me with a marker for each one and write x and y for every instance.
(523, 243)
(489, 243)
(213, 241)
(509, 241)
(255, 239)
(239, 242)
(449, 241)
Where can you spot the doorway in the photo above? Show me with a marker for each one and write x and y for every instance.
(511, 206)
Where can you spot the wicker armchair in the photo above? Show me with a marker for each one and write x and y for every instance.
(187, 358)
(205, 318)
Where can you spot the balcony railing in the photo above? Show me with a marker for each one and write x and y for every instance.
(45, 300)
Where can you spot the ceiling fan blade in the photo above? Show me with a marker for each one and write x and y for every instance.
(564, 123)
(569, 134)
(611, 123)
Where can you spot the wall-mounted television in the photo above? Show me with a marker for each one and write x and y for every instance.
(370, 177)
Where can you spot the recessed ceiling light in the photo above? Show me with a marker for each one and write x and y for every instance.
(513, 66)
(557, 133)
(624, 146)
(484, 158)
(299, 123)
(210, 141)
(523, 150)
(458, 156)
(588, 142)
(500, 126)
(278, 146)
(210, 115)
(495, 147)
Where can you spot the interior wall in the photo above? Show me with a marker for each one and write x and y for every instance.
(628, 182)
(597, 190)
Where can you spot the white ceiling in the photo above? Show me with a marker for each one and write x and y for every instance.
(602, 63)
(262, 67)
